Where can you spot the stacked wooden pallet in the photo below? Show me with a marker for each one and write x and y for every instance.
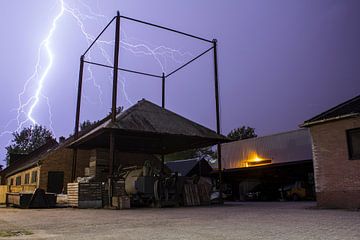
(85, 195)
(119, 188)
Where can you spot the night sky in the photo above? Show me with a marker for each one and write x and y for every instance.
(280, 61)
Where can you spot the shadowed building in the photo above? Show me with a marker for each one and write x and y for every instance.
(141, 131)
(270, 162)
(190, 167)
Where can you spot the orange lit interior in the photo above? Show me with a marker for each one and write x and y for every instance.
(252, 160)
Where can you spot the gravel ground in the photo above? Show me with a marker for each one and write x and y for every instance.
(276, 220)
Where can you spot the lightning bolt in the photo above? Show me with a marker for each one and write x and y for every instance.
(138, 47)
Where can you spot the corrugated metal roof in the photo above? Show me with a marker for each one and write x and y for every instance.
(279, 148)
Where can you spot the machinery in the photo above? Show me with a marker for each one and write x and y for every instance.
(148, 186)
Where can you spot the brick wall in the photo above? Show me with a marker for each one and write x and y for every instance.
(61, 160)
(337, 178)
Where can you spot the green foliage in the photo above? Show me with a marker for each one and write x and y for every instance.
(87, 124)
(243, 132)
(192, 153)
(27, 140)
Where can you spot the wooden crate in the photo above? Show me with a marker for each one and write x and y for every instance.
(22, 188)
(3, 190)
(121, 202)
(85, 195)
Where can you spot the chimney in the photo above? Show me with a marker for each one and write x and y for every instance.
(61, 139)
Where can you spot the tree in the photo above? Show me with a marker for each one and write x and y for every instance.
(192, 153)
(27, 140)
(243, 132)
(1, 167)
(87, 124)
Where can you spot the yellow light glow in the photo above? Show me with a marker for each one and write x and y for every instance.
(255, 160)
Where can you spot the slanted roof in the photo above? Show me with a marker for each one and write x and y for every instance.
(146, 127)
(32, 159)
(350, 108)
(189, 167)
(182, 166)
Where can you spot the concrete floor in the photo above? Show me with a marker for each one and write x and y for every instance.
(250, 220)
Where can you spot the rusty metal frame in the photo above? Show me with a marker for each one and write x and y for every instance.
(163, 78)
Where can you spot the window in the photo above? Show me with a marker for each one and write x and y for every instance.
(18, 181)
(353, 141)
(11, 181)
(27, 178)
(34, 177)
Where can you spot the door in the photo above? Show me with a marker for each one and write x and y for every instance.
(55, 182)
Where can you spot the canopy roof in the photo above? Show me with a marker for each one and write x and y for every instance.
(145, 127)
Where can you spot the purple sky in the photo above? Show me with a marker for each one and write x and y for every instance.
(280, 62)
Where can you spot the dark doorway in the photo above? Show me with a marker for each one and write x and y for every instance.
(55, 182)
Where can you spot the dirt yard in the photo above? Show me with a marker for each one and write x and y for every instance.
(278, 220)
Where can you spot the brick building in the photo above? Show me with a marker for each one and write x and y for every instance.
(50, 166)
(336, 148)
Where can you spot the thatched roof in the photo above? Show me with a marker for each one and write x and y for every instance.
(146, 127)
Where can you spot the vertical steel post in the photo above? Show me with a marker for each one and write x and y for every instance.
(163, 91)
(114, 93)
(114, 105)
(217, 105)
(116, 66)
(77, 116)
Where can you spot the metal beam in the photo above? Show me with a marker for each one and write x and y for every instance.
(217, 107)
(116, 65)
(99, 36)
(77, 116)
(163, 91)
(198, 56)
(166, 28)
(123, 69)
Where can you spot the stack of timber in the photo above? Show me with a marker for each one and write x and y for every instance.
(197, 191)
(119, 188)
(191, 195)
(204, 187)
(121, 202)
(204, 194)
(85, 195)
(3, 190)
(98, 165)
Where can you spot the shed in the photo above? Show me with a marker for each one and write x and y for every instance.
(148, 128)
(190, 167)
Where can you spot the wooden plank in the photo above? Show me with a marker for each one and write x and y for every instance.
(3, 190)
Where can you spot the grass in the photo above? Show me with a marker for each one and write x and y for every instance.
(13, 233)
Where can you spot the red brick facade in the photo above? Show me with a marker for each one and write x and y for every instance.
(337, 178)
